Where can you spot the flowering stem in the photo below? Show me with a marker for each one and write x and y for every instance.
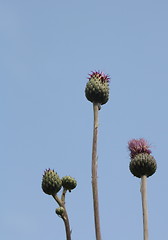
(144, 206)
(64, 217)
(94, 173)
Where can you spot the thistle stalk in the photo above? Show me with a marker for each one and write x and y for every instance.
(94, 172)
(142, 165)
(144, 206)
(97, 92)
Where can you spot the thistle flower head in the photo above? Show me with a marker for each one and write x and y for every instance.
(97, 88)
(137, 146)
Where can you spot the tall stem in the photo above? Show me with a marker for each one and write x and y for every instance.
(94, 173)
(64, 217)
(144, 206)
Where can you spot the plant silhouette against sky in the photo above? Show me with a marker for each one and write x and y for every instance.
(142, 163)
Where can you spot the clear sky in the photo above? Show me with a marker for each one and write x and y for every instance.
(47, 49)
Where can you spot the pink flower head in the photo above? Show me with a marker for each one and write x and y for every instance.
(100, 76)
(137, 146)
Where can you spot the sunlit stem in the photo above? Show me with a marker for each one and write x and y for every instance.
(94, 173)
(144, 206)
(63, 195)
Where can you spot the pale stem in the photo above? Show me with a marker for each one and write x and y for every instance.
(64, 217)
(144, 206)
(94, 173)
(63, 195)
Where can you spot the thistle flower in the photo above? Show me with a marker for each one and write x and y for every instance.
(97, 88)
(137, 146)
(142, 163)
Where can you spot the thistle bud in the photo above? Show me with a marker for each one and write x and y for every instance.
(97, 88)
(69, 183)
(59, 211)
(51, 183)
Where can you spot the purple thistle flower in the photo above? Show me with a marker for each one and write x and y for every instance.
(99, 75)
(137, 146)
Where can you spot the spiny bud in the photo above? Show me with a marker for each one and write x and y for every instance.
(143, 164)
(97, 88)
(51, 183)
(59, 211)
(69, 183)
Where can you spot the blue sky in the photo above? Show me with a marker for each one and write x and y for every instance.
(47, 50)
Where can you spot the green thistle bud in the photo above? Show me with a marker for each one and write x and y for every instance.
(97, 88)
(59, 211)
(69, 183)
(51, 183)
(143, 164)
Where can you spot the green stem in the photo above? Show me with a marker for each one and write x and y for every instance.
(144, 206)
(64, 217)
(94, 173)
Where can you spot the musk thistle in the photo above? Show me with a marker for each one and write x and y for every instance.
(142, 165)
(97, 92)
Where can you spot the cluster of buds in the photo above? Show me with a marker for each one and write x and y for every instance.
(52, 183)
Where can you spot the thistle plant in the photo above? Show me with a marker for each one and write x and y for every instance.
(51, 185)
(97, 92)
(142, 165)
